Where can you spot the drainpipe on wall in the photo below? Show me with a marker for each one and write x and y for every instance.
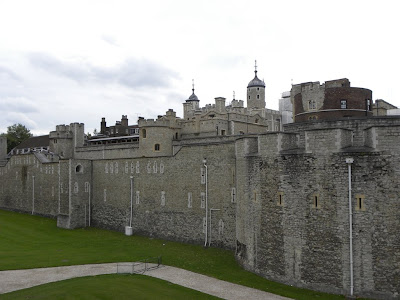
(59, 188)
(130, 221)
(349, 161)
(206, 178)
(33, 193)
(128, 229)
(89, 203)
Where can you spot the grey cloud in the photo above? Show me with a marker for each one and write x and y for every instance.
(109, 39)
(6, 73)
(17, 105)
(132, 73)
(53, 65)
(144, 73)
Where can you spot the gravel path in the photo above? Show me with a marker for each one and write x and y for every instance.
(20, 279)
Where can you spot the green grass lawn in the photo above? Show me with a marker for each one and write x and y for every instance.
(109, 287)
(32, 242)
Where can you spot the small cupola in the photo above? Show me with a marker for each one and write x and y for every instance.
(256, 82)
(193, 96)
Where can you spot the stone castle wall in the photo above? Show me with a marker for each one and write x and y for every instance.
(293, 217)
(280, 199)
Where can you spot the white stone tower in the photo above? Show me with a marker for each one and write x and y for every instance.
(256, 92)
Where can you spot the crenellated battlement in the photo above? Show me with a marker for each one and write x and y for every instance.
(154, 123)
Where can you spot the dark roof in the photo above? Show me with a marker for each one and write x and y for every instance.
(256, 82)
(35, 142)
(193, 97)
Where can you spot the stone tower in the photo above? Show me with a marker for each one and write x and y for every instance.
(66, 138)
(190, 105)
(256, 92)
(3, 148)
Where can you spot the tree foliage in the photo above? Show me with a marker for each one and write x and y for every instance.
(15, 135)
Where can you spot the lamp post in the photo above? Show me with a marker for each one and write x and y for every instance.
(33, 193)
(128, 229)
(206, 182)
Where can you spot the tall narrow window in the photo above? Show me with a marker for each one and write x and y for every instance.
(343, 104)
(144, 134)
(220, 227)
(280, 199)
(137, 197)
(203, 176)
(203, 200)
(316, 201)
(360, 202)
(157, 147)
(162, 198)
(368, 104)
(233, 195)
(190, 200)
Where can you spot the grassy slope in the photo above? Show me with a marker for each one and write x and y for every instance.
(109, 287)
(32, 242)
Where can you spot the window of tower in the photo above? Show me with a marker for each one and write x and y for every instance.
(157, 147)
(258, 96)
(144, 133)
(78, 169)
(258, 89)
(249, 97)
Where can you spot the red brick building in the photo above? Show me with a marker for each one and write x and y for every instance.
(334, 99)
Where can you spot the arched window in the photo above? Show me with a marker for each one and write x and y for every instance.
(157, 147)
(144, 134)
(78, 169)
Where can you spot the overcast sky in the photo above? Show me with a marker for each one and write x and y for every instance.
(79, 61)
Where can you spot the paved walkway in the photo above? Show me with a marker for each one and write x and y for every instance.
(20, 279)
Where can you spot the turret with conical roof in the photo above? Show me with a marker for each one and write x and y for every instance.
(191, 104)
(256, 92)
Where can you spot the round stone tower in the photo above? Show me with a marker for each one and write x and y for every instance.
(256, 92)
